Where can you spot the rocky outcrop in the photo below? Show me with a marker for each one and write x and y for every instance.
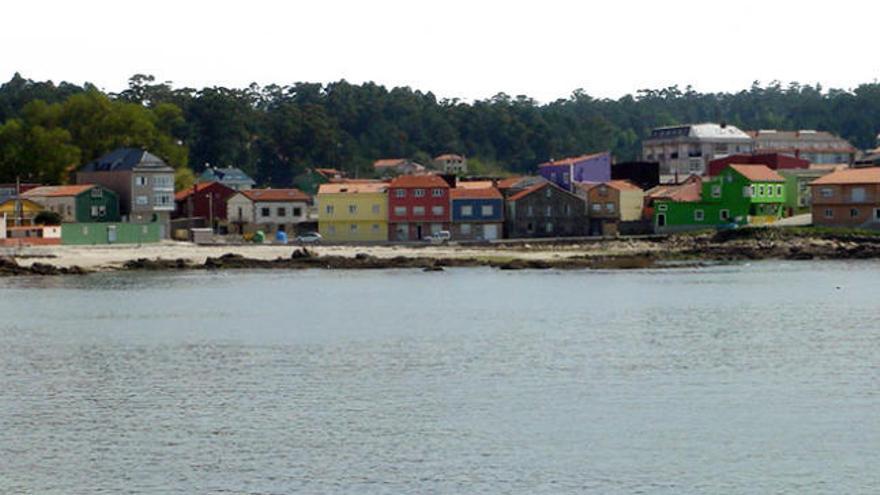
(10, 267)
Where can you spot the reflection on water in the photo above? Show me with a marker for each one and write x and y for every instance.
(757, 378)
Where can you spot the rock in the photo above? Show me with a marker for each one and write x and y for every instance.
(434, 268)
(301, 254)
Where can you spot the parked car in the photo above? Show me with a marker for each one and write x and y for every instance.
(309, 237)
(440, 237)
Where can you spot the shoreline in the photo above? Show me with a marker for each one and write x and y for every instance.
(683, 250)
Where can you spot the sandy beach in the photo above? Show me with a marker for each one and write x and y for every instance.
(113, 257)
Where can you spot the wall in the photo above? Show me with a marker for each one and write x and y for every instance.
(845, 209)
(98, 233)
(477, 210)
(108, 199)
(523, 222)
(118, 182)
(336, 225)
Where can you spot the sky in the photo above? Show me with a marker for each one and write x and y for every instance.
(456, 49)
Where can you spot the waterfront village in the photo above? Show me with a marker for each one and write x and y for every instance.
(690, 177)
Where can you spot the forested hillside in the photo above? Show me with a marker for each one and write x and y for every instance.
(275, 132)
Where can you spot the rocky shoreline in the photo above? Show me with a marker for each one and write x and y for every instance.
(685, 250)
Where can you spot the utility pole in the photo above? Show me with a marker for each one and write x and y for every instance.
(16, 209)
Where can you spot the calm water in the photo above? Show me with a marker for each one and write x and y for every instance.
(761, 378)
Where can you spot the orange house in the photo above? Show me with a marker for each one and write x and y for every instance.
(849, 197)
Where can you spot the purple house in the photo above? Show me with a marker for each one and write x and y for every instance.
(584, 168)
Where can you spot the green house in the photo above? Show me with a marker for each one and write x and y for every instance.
(739, 195)
(78, 203)
(110, 233)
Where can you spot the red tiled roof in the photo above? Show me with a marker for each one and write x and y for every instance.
(388, 162)
(758, 173)
(466, 193)
(509, 182)
(689, 190)
(276, 195)
(201, 186)
(57, 191)
(419, 181)
(448, 156)
(623, 185)
(867, 175)
(571, 160)
(537, 187)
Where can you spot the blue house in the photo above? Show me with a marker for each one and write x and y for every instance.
(477, 214)
(564, 173)
(231, 177)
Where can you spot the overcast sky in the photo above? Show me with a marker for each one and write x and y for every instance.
(467, 49)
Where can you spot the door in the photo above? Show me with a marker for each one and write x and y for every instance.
(490, 231)
(111, 234)
(419, 232)
(661, 219)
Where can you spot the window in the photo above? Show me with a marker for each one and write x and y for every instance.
(530, 211)
(826, 192)
(565, 177)
(854, 212)
(163, 182)
(568, 210)
(467, 210)
(281, 211)
(716, 190)
(145, 230)
(857, 194)
(85, 230)
(419, 193)
(377, 209)
(548, 192)
(437, 193)
(829, 213)
(352, 209)
(353, 228)
(328, 209)
(400, 211)
(375, 228)
(97, 192)
(465, 228)
(400, 193)
(140, 180)
(877, 214)
(487, 210)
(94, 211)
(548, 211)
(437, 210)
(779, 191)
(162, 199)
(265, 212)
(761, 190)
(609, 207)
(699, 215)
(548, 228)
(141, 201)
(748, 191)
(297, 211)
(597, 207)
(436, 227)
(418, 211)
(724, 215)
(331, 229)
(662, 207)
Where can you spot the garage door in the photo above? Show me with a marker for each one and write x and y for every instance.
(490, 232)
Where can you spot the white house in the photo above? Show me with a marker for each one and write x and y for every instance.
(269, 210)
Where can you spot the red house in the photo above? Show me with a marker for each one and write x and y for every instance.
(773, 161)
(418, 206)
(205, 200)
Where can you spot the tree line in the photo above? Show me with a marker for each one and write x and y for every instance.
(275, 132)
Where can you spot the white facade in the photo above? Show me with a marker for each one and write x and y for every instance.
(688, 149)
(269, 216)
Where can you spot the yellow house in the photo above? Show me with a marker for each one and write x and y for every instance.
(353, 211)
(22, 211)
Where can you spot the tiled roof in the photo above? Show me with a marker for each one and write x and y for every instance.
(276, 195)
(353, 187)
(125, 159)
(572, 160)
(509, 182)
(623, 185)
(867, 175)
(201, 186)
(758, 173)
(689, 190)
(537, 187)
(474, 184)
(448, 156)
(419, 181)
(227, 175)
(57, 191)
(484, 193)
(389, 162)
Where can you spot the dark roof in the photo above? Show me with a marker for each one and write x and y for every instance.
(227, 175)
(123, 159)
